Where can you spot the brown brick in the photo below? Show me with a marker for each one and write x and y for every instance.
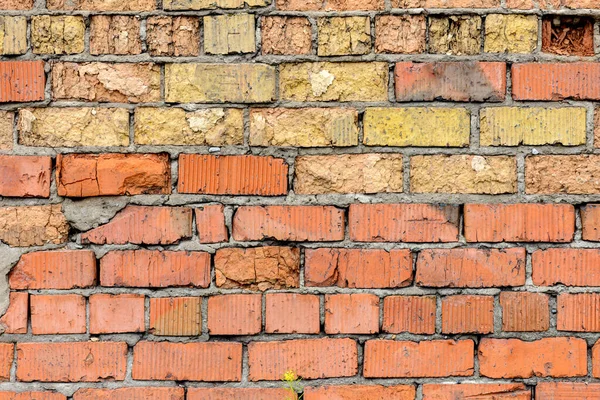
(455, 34)
(578, 312)
(173, 36)
(137, 393)
(102, 5)
(400, 34)
(53, 315)
(483, 391)
(413, 314)
(286, 35)
(57, 34)
(524, 312)
(579, 174)
(115, 34)
(22, 81)
(235, 314)
(210, 222)
(13, 35)
(33, 225)
(176, 316)
(119, 313)
(351, 313)
(237, 393)
(292, 313)
(7, 351)
(15, 319)
(566, 390)
(467, 314)
(332, 5)
(570, 267)
(25, 176)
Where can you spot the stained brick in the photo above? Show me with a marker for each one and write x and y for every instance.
(235, 314)
(549, 81)
(118, 313)
(14, 35)
(231, 33)
(524, 312)
(413, 314)
(176, 316)
(468, 314)
(22, 81)
(356, 313)
(15, 319)
(25, 176)
(53, 315)
(570, 267)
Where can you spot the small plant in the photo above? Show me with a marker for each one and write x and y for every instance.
(293, 385)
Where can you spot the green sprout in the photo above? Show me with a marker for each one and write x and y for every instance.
(293, 385)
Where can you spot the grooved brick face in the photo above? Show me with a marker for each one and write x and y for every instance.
(468, 314)
(53, 315)
(292, 313)
(570, 267)
(31, 396)
(240, 394)
(524, 312)
(358, 392)
(141, 393)
(24, 176)
(413, 314)
(22, 81)
(555, 81)
(352, 313)
(116, 313)
(235, 314)
(513, 391)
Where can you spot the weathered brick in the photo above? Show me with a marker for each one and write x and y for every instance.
(413, 314)
(468, 314)
(292, 313)
(214, 361)
(303, 127)
(360, 392)
(259, 268)
(14, 321)
(32, 396)
(463, 174)
(7, 351)
(103, 82)
(151, 268)
(435, 358)
(567, 35)
(231, 33)
(144, 225)
(578, 312)
(310, 359)
(400, 34)
(232, 175)
(286, 35)
(483, 391)
(7, 120)
(219, 83)
(339, 36)
(210, 223)
(334, 81)
(550, 357)
(176, 316)
(403, 223)
(71, 127)
(578, 174)
(57, 34)
(25, 176)
(237, 393)
(358, 268)
(510, 33)
(596, 360)
(446, 3)
(173, 36)
(22, 81)
(33, 225)
(137, 393)
(102, 5)
(235, 314)
(519, 222)
(119, 313)
(590, 221)
(514, 126)
(329, 5)
(71, 361)
(115, 34)
(349, 173)
(53, 315)
(556, 81)
(566, 391)
(524, 312)
(417, 126)
(455, 34)
(570, 267)
(85, 175)
(13, 35)
(210, 4)
(16, 4)
(356, 313)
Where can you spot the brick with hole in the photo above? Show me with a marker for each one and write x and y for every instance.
(292, 313)
(17, 314)
(119, 313)
(176, 316)
(356, 313)
(468, 314)
(569, 267)
(566, 35)
(525, 312)
(25, 176)
(235, 314)
(60, 314)
(412, 314)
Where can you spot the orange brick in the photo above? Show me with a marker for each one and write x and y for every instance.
(292, 313)
(210, 362)
(309, 359)
(118, 313)
(153, 268)
(237, 394)
(578, 312)
(358, 268)
(351, 313)
(524, 312)
(549, 357)
(210, 221)
(31, 396)
(71, 361)
(16, 4)
(101, 5)
(403, 223)
(566, 391)
(144, 225)
(436, 358)
(22, 81)
(475, 268)
(570, 267)
(519, 222)
(15, 318)
(590, 221)
(413, 314)
(400, 34)
(85, 175)
(360, 392)
(7, 353)
(239, 175)
(54, 270)
(235, 314)
(336, 5)
(138, 393)
(290, 223)
(556, 81)
(53, 315)
(176, 316)
(286, 35)
(25, 176)
(483, 391)
(468, 314)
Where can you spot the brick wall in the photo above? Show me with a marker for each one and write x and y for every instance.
(393, 199)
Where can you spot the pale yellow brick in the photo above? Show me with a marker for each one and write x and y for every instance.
(7, 120)
(13, 35)
(344, 35)
(175, 126)
(509, 33)
(210, 4)
(57, 34)
(417, 126)
(455, 34)
(303, 127)
(219, 83)
(514, 126)
(69, 127)
(334, 81)
(463, 174)
(225, 34)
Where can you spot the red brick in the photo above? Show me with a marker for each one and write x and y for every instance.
(144, 225)
(16, 4)
(71, 361)
(590, 221)
(53, 315)
(360, 392)
(519, 222)
(453, 81)
(567, 391)
(138, 393)
(211, 362)
(570, 267)
(481, 391)
(235, 314)
(468, 314)
(475, 268)
(15, 318)
(578, 312)
(31, 396)
(358, 268)
(413, 314)
(351, 313)
(237, 394)
(556, 81)
(153, 268)
(403, 223)
(22, 81)
(309, 359)
(119, 313)
(524, 312)
(86, 175)
(25, 176)
(549, 357)
(238, 175)
(331, 5)
(176, 316)
(292, 313)
(400, 359)
(210, 221)
(290, 223)
(7, 353)
(54, 270)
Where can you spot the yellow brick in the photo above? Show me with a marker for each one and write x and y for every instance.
(510, 33)
(224, 34)
(57, 34)
(175, 126)
(210, 4)
(514, 126)
(7, 120)
(455, 34)
(219, 83)
(334, 81)
(344, 35)
(417, 126)
(463, 174)
(13, 35)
